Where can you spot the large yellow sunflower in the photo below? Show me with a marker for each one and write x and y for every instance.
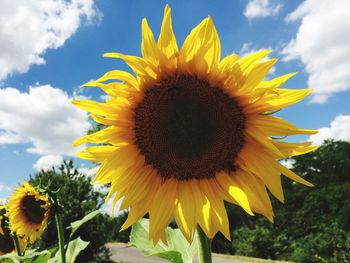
(191, 131)
(28, 212)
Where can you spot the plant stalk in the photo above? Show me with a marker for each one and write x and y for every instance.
(60, 234)
(204, 246)
(17, 245)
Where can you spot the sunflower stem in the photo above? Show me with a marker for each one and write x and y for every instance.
(17, 246)
(60, 234)
(204, 246)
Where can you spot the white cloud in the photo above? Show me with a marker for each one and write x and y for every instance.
(289, 163)
(43, 117)
(339, 130)
(322, 43)
(30, 27)
(89, 171)
(247, 49)
(8, 137)
(5, 191)
(261, 8)
(104, 97)
(47, 162)
(107, 207)
(5, 188)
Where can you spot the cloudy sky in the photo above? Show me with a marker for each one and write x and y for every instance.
(49, 48)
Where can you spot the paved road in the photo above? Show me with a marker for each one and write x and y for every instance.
(122, 253)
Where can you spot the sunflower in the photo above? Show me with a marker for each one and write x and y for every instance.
(2, 219)
(2, 210)
(191, 131)
(6, 242)
(28, 212)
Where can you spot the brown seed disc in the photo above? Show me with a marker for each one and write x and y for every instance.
(188, 129)
(33, 210)
(6, 241)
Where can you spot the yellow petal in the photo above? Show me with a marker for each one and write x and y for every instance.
(257, 75)
(248, 63)
(241, 69)
(112, 135)
(113, 89)
(256, 192)
(167, 41)
(137, 211)
(275, 83)
(94, 107)
(162, 209)
(186, 210)
(123, 158)
(120, 75)
(274, 126)
(293, 149)
(290, 174)
(229, 185)
(201, 49)
(203, 208)
(227, 63)
(259, 136)
(149, 48)
(140, 188)
(97, 153)
(220, 73)
(256, 161)
(276, 100)
(138, 65)
(218, 211)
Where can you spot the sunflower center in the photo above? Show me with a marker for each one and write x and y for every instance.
(33, 209)
(188, 129)
(6, 242)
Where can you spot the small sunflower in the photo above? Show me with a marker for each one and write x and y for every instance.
(6, 242)
(191, 131)
(2, 219)
(28, 212)
(2, 208)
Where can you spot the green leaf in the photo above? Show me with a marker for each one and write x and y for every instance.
(76, 224)
(31, 256)
(9, 258)
(74, 248)
(178, 249)
(178, 242)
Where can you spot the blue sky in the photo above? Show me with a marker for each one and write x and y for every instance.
(47, 51)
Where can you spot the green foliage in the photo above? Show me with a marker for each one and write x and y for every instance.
(32, 257)
(178, 250)
(115, 227)
(75, 247)
(77, 224)
(77, 197)
(314, 223)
